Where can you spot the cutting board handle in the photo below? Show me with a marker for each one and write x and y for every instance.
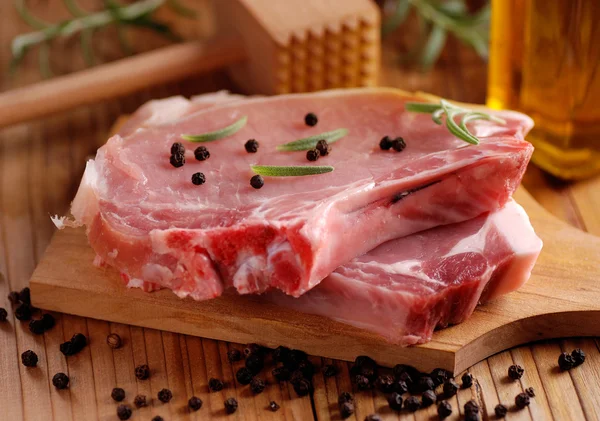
(118, 78)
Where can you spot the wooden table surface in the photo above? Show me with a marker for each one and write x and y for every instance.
(40, 167)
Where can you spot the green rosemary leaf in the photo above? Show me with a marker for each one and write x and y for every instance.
(44, 57)
(86, 46)
(421, 107)
(74, 8)
(397, 18)
(291, 171)
(217, 134)
(433, 48)
(310, 142)
(31, 20)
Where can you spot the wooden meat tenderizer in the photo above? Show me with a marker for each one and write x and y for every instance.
(270, 47)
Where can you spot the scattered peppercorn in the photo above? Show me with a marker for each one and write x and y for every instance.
(471, 416)
(281, 374)
(439, 376)
(234, 355)
(346, 409)
(385, 383)
(124, 412)
(302, 387)
(231, 405)
(425, 383)
(257, 385)
(385, 143)
(23, 312)
(412, 404)
(195, 403)
(198, 179)
(294, 357)
(395, 401)
(257, 181)
(142, 372)
(60, 380)
(114, 341)
(323, 147)
(253, 349)
(500, 410)
(140, 401)
(330, 370)
(280, 354)
(515, 372)
(565, 361)
(3, 314)
(251, 146)
(177, 160)
(398, 144)
(307, 368)
(400, 386)
(25, 296)
(362, 382)
(36, 327)
(373, 417)
(406, 373)
(312, 154)
(471, 407)
(29, 358)
(296, 376)
(467, 380)
(201, 153)
(67, 348)
(444, 409)
(13, 297)
(79, 341)
(522, 400)
(177, 149)
(158, 418)
(578, 357)
(311, 119)
(345, 397)
(255, 363)
(215, 385)
(48, 321)
(117, 394)
(450, 388)
(530, 391)
(244, 376)
(273, 406)
(428, 398)
(164, 395)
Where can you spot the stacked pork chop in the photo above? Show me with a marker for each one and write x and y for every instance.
(396, 242)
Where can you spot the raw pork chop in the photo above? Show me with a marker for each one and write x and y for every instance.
(148, 220)
(405, 288)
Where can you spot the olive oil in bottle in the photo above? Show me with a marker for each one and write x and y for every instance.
(545, 62)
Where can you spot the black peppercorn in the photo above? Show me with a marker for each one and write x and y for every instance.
(323, 147)
(412, 404)
(578, 357)
(273, 406)
(302, 387)
(471, 416)
(142, 372)
(36, 327)
(311, 119)
(13, 297)
(425, 383)
(244, 376)
(140, 401)
(385, 383)
(400, 386)
(251, 146)
(281, 374)
(215, 385)
(312, 154)
(330, 370)
(114, 341)
(3, 314)
(257, 181)
(428, 398)
(257, 385)
(23, 312)
(67, 348)
(467, 380)
(345, 397)
(362, 382)
(201, 153)
(471, 407)
(385, 143)
(79, 341)
(444, 410)
(164, 395)
(406, 373)
(450, 388)
(198, 179)
(60, 381)
(346, 409)
(515, 372)
(48, 321)
(123, 412)
(253, 349)
(565, 361)
(117, 394)
(500, 411)
(395, 401)
(177, 149)
(231, 405)
(398, 144)
(234, 355)
(254, 362)
(195, 403)
(158, 418)
(530, 391)
(373, 417)
(177, 160)
(294, 357)
(296, 376)
(29, 358)
(522, 400)
(307, 368)
(439, 376)
(25, 296)
(280, 354)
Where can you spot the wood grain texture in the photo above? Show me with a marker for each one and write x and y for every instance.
(42, 180)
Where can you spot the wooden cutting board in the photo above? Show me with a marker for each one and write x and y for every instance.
(561, 299)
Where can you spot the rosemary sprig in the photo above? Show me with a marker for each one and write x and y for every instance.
(310, 142)
(451, 111)
(290, 171)
(217, 134)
